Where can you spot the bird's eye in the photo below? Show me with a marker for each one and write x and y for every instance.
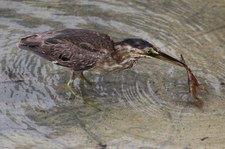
(149, 51)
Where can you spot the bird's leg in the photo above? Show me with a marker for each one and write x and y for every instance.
(85, 79)
(71, 88)
(70, 85)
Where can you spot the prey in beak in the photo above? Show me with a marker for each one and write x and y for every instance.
(193, 83)
(145, 49)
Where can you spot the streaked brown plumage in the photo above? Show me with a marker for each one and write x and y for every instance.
(81, 49)
(73, 48)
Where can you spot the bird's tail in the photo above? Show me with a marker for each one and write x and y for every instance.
(34, 43)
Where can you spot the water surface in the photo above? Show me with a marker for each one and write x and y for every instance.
(144, 107)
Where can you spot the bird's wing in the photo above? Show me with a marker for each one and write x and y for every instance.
(79, 49)
(70, 55)
(87, 39)
(74, 48)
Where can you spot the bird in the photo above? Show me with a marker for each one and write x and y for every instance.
(84, 49)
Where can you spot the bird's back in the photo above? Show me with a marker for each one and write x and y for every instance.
(78, 49)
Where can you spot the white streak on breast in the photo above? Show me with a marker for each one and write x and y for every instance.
(54, 62)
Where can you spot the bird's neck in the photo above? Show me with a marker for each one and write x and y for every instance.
(123, 54)
(122, 58)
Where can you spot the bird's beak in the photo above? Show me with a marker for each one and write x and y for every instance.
(162, 56)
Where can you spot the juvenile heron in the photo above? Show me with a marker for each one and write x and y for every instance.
(81, 49)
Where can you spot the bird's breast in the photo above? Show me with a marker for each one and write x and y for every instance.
(111, 65)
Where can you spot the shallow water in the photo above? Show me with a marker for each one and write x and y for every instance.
(144, 107)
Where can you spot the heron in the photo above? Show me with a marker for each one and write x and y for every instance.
(83, 49)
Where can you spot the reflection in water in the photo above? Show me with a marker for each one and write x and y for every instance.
(141, 107)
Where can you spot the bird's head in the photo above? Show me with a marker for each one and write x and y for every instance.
(140, 48)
